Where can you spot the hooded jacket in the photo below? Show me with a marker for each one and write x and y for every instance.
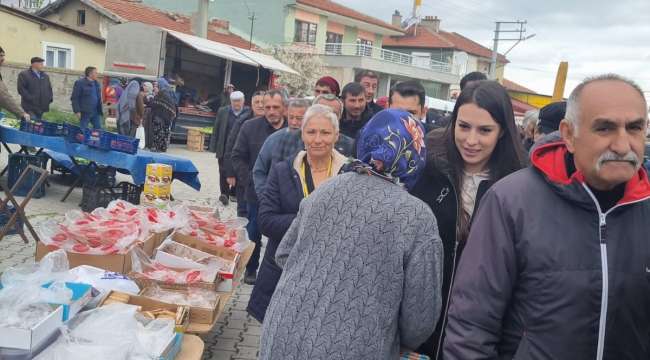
(436, 189)
(547, 275)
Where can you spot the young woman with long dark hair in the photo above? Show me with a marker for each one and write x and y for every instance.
(480, 146)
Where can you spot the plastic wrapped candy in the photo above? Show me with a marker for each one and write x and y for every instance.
(52, 267)
(26, 305)
(153, 270)
(111, 332)
(91, 234)
(194, 297)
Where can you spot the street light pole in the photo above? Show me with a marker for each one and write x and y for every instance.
(521, 30)
(252, 18)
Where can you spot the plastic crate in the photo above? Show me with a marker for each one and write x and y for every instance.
(99, 176)
(73, 134)
(100, 196)
(4, 219)
(110, 141)
(42, 128)
(18, 163)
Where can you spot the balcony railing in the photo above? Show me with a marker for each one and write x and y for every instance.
(340, 49)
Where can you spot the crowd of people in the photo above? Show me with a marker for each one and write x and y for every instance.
(469, 237)
(464, 237)
(152, 105)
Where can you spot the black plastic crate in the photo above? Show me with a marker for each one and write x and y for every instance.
(101, 196)
(99, 176)
(17, 164)
(5, 214)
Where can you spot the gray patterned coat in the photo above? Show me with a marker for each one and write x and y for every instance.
(361, 274)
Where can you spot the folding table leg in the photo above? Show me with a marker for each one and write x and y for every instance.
(20, 208)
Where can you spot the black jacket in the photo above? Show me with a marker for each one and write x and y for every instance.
(223, 123)
(374, 108)
(530, 284)
(350, 128)
(35, 93)
(249, 142)
(435, 188)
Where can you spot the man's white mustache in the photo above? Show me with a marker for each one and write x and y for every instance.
(630, 157)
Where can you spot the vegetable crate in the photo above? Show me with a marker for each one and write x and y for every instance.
(110, 141)
(18, 163)
(195, 139)
(73, 133)
(42, 128)
(99, 196)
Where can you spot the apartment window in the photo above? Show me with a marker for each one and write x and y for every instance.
(305, 32)
(58, 56)
(81, 17)
(364, 47)
(333, 45)
(421, 59)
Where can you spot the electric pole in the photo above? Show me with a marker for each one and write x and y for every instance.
(252, 18)
(518, 27)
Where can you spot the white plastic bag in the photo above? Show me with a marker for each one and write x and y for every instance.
(139, 134)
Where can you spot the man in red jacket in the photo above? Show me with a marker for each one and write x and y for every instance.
(557, 264)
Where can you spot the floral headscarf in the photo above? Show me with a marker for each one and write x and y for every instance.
(392, 144)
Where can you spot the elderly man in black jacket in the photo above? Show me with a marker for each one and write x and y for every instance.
(226, 118)
(251, 137)
(35, 89)
(557, 264)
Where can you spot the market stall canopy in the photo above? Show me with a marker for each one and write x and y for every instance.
(212, 47)
(231, 53)
(145, 54)
(267, 61)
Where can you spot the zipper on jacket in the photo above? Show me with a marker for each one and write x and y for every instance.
(453, 273)
(602, 240)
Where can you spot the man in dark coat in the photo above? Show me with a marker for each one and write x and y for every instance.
(226, 118)
(87, 99)
(247, 148)
(355, 110)
(557, 264)
(35, 89)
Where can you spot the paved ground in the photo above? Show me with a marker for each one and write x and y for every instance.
(236, 335)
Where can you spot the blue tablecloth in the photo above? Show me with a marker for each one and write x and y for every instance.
(61, 151)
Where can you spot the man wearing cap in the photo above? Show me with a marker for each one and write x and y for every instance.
(227, 116)
(326, 85)
(547, 130)
(35, 89)
(6, 100)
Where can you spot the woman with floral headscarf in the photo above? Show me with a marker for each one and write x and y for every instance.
(362, 260)
(163, 113)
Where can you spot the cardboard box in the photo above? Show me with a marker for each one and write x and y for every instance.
(173, 348)
(170, 253)
(81, 296)
(198, 315)
(149, 304)
(159, 190)
(32, 339)
(120, 263)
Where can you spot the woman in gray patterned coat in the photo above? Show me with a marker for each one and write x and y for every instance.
(362, 260)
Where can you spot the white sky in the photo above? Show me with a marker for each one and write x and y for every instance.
(594, 36)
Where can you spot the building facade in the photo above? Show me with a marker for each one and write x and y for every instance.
(426, 42)
(346, 40)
